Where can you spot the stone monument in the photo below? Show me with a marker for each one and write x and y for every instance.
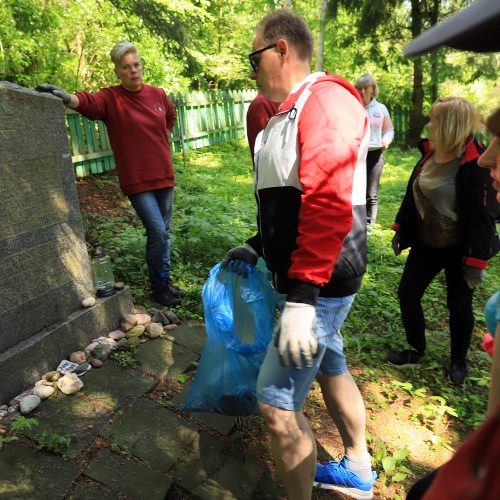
(44, 265)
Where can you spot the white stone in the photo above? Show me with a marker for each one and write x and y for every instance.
(88, 302)
(43, 391)
(42, 382)
(116, 335)
(29, 403)
(154, 330)
(70, 383)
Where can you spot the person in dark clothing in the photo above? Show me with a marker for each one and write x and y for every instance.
(139, 119)
(446, 218)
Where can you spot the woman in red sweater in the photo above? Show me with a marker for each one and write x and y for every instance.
(139, 119)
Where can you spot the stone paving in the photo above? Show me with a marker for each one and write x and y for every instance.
(127, 445)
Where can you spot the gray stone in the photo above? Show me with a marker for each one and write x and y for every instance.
(129, 478)
(203, 458)
(237, 479)
(223, 424)
(23, 366)
(151, 433)
(26, 473)
(190, 335)
(102, 351)
(29, 403)
(116, 335)
(96, 363)
(113, 386)
(163, 358)
(85, 490)
(154, 330)
(41, 233)
(71, 415)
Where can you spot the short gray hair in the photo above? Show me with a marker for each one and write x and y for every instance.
(367, 81)
(120, 49)
(284, 23)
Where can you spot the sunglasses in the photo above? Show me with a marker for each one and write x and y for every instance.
(254, 61)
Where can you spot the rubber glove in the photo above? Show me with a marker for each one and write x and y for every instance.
(236, 255)
(474, 276)
(57, 91)
(296, 334)
(395, 244)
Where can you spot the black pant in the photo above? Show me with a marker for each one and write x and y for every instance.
(374, 165)
(422, 265)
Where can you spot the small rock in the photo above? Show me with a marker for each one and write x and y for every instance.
(171, 327)
(172, 317)
(142, 319)
(140, 310)
(116, 335)
(83, 369)
(159, 317)
(29, 403)
(78, 357)
(70, 383)
(137, 331)
(130, 318)
(122, 344)
(102, 351)
(154, 330)
(119, 285)
(88, 302)
(90, 348)
(13, 409)
(3, 413)
(43, 382)
(106, 341)
(133, 342)
(4, 408)
(52, 376)
(96, 363)
(66, 366)
(14, 403)
(125, 326)
(43, 391)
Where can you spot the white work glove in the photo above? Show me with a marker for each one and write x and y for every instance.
(236, 255)
(474, 276)
(296, 334)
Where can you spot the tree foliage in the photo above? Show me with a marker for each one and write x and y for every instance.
(203, 45)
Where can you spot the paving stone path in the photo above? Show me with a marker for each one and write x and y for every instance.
(127, 445)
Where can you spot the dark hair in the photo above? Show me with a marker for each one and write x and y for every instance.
(284, 23)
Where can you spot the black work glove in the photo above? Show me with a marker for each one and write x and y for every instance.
(396, 248)
(236, 258)
(57, 91)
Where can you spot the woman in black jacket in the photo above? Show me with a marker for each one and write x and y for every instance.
(445, 218)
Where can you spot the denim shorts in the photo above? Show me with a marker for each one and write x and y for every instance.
(286, 388)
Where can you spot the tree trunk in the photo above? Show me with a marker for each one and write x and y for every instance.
(417, 98)
(321, 36)
(433, 18)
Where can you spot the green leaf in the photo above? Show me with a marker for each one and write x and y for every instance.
(389, 464)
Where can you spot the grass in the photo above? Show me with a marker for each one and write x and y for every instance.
(214, 210)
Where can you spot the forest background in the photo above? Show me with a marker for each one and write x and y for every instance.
(203, 45)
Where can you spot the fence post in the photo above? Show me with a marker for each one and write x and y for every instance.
(180, 107)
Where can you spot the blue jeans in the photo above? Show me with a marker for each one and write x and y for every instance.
(154, 208)
(287, 387)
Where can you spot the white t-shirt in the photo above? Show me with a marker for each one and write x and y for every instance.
(377, 113)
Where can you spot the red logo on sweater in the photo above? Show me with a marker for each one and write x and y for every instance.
(159, 107)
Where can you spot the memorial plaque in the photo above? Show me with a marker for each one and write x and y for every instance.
(44, 267)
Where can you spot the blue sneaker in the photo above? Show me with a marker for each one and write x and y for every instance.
(337, 476)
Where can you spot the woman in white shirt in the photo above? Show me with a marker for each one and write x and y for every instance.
(381, 135)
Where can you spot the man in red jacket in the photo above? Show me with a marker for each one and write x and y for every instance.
(139, 119)
(310, 183)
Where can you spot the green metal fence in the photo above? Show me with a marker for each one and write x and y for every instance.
(202, 120)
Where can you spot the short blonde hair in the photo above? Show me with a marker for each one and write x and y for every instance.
(454, 119)
(367, 81)
(120, 49)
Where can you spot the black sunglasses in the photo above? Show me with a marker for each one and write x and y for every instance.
(255, 62)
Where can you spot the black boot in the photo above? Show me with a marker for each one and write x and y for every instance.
(166, 297)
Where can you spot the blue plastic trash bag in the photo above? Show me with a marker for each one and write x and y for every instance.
(239, 319)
